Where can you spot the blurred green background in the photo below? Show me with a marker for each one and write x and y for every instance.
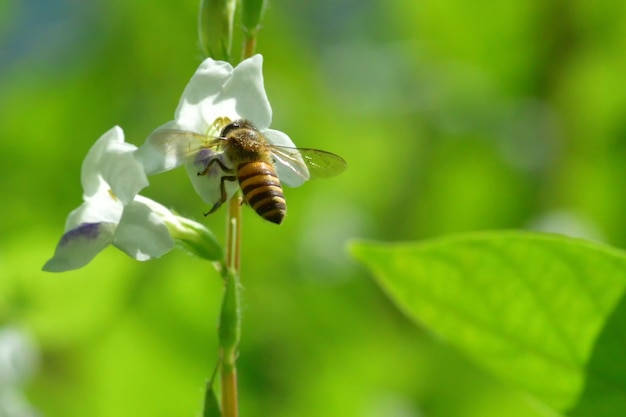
(454, 116)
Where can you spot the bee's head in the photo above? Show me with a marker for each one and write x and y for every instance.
(237, 124)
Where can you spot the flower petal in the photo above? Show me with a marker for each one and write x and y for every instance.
(243, 96)
(18, 356)
(189, 234)
(141, 233)
(80, 245)
(101, 208)
(201, 92)
(278, 138)
(161, 151)
(208, 186)
(159, 209)
(111, 160)
(290, 172)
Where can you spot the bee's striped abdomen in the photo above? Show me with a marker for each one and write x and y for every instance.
(262, 190)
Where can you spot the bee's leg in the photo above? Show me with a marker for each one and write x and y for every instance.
(219, 162)
(224, 195)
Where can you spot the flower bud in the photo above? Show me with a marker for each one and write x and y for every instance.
(215, 28)
(195, 238)
(252, 12)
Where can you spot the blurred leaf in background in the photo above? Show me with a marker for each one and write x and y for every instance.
(453, 116)
(528, 307)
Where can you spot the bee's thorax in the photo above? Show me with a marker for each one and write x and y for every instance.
(245, 145)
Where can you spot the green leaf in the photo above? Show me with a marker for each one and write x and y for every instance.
(211, 406)
(528, 307)
(604, 394)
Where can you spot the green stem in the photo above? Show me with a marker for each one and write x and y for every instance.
(230, 320)
(249, 44)
(233, 234)
(252, 12)
(230, 405)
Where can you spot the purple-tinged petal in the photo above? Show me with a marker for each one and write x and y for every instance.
(89, 231)
(141, 234)
(80, 245)
(101, 208)
(208, 186)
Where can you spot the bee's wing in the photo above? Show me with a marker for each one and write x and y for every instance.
(181, 144)
(322, 164)
(290, 166)
(296, 165)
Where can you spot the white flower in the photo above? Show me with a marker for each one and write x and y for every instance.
(19, 359)
(216, 92)
(112, 212)
(18, 356)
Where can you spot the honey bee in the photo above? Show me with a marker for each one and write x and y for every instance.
(244, 155)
